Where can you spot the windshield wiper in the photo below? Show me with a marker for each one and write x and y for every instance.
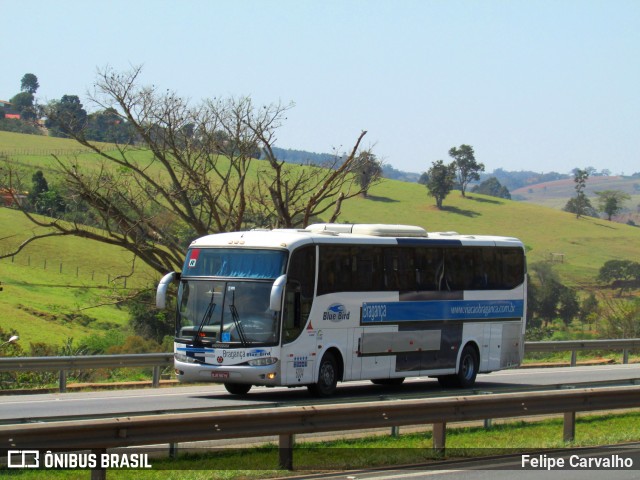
(205, 319)
(236, 317)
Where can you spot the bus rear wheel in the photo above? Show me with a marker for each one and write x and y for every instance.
(327, 377)
(466, 376)
(237, 388)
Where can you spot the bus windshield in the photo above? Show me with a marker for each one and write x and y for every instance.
(230, 312)
(234, 263)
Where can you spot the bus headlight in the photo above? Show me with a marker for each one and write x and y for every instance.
(184, 359)
(262, 362)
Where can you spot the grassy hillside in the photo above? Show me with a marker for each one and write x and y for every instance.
(51, 287)
(37, 301)
(556, 194)
(19, 143)
(586, 243)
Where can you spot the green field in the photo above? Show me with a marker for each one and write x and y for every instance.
(40, 302)
(52, 289)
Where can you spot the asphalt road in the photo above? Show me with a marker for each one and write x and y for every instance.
(19, 408)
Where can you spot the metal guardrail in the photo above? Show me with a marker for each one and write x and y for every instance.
(162, 360)
(88, 362)
(624, 344)
(98, 435)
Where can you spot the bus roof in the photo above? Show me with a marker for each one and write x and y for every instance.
(338, 233)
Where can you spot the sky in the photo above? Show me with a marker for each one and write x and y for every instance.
(530, 84)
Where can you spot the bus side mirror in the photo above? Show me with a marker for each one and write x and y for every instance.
(275, 301)
(163, 286)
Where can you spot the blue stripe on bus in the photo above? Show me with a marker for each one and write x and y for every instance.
(385, 312)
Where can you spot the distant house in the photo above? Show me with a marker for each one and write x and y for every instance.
(10, 198)
(7, 111)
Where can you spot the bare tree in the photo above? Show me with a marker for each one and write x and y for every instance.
(187, 171)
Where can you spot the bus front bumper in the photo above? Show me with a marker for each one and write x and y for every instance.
(268, 375)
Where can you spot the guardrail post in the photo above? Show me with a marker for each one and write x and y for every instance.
(625, 356)
(574, 357)
(173, 450)
(285, 451)
(395, 431)
(439, 437)
(63, 381)
(99, 472)
(569, 433)
(156, 376)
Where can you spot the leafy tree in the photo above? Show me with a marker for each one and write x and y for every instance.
(466, 166)
(533, 295)
(621, 319)
(611, 202)
(620, 274)
(23, 103)
(44, 200)
(40, 185)
(589, 307)
(568, 305)
(580, 204)
(548, 301)
(147, 321)
(577, 206)
(108, 126)
(200, 175)
(66, 117)
(493, 188)
(544, 272)
(368, 170)
(441, 180)
(29, 83)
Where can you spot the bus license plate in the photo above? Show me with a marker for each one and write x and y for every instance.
(219, 374)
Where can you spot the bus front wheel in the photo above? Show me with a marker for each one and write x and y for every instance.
(466, 376)
(237, 388)
(327, 377)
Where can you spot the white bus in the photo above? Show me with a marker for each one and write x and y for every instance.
(341, 302)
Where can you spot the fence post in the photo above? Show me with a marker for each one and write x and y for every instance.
(285, 451)
(156, 376)
(439, 437)
(99, 472)
(63, 381)
(569, 433)
(173, 450)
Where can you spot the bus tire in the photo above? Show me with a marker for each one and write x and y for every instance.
(467, 371)
(327, 377)
(237, 388)
(388, 381)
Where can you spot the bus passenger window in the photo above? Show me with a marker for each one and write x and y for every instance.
(429, 268)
